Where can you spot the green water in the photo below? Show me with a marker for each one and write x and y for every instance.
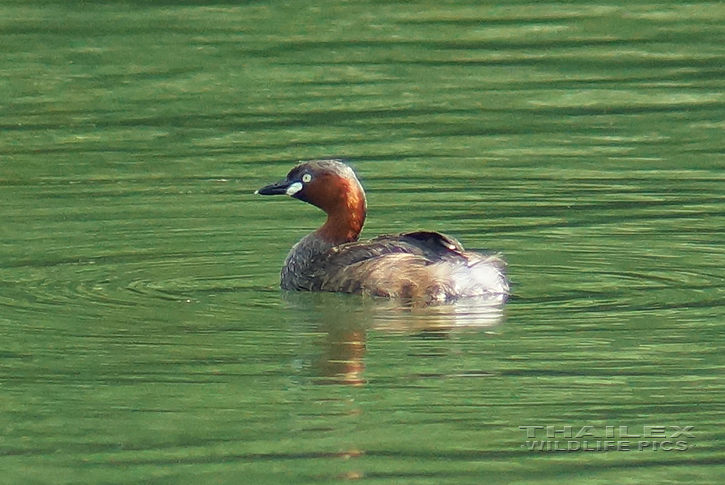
(144, 339)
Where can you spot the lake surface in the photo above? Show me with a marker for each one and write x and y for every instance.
(144, 337)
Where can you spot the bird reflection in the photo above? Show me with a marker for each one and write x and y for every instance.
(343, 322)
(342, 360)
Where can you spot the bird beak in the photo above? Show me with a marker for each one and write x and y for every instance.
(280, 188)
(285, 187)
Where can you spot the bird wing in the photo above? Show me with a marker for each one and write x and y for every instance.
(391, 265)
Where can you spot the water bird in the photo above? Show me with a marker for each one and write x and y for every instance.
(423, 266)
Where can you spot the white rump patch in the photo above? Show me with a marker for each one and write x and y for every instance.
(293, 188)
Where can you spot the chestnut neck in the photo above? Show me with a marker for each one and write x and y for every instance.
(345, 213)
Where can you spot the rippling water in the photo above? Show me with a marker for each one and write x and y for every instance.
(144, 336)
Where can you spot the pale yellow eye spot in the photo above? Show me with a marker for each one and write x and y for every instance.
(306, 177)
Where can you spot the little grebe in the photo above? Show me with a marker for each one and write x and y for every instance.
(427, 266)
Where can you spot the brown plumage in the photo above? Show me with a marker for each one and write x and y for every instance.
(419, 265)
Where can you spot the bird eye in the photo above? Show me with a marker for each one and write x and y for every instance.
(306, 177)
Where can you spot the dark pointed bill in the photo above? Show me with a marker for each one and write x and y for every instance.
(285, 187)
(280, 188)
